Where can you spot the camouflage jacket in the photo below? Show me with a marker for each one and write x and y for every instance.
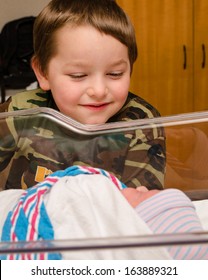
(37, 146)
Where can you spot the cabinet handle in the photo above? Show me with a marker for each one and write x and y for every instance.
(185, 57)
(203, 56)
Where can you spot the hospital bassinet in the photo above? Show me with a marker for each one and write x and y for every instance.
(186, 169)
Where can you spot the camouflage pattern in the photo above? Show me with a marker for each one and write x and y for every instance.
(38, 146)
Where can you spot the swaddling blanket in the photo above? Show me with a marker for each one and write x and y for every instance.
(79, 202)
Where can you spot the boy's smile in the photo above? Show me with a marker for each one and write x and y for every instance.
(89, 75)
(96, 106)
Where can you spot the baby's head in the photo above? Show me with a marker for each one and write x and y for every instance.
(136, 196)
(103, 15)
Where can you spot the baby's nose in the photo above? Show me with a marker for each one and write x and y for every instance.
(142, 189)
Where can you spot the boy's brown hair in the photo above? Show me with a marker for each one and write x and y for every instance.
(104, 15)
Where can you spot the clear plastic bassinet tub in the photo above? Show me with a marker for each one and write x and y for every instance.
(186, 162)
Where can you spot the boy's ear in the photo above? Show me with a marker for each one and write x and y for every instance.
(41, 77)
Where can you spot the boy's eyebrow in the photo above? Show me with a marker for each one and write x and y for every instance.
(83, 63)
(119, 62)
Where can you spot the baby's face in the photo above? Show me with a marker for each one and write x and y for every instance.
(136, 196)
(89, 75)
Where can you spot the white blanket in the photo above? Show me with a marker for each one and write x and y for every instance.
(96, 208)
(90, 206)
(202, 212)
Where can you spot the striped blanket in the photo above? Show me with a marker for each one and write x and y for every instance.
(71, 204)
(29, 219)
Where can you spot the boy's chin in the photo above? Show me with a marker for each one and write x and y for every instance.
(95, 121)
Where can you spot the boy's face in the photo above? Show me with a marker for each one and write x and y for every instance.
(89, 75)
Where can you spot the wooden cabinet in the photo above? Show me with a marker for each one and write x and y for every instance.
(171, 69)
(200, 55)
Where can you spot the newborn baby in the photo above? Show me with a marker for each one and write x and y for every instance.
(168, 211)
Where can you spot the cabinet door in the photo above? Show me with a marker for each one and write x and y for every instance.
(163, 73)
(201, 55)
(144, 15)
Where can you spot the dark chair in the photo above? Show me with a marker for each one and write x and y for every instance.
(16, 50)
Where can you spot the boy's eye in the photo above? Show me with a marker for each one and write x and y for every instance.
(115, 74)
(77, 76)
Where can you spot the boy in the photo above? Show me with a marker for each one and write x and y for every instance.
(84, 51)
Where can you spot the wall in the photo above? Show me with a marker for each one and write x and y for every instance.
(13, 9)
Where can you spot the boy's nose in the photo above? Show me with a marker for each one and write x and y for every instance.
(98, 90)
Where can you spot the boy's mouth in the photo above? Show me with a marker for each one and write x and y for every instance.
(96, 106)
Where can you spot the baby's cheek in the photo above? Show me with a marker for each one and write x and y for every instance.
(132, 196)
